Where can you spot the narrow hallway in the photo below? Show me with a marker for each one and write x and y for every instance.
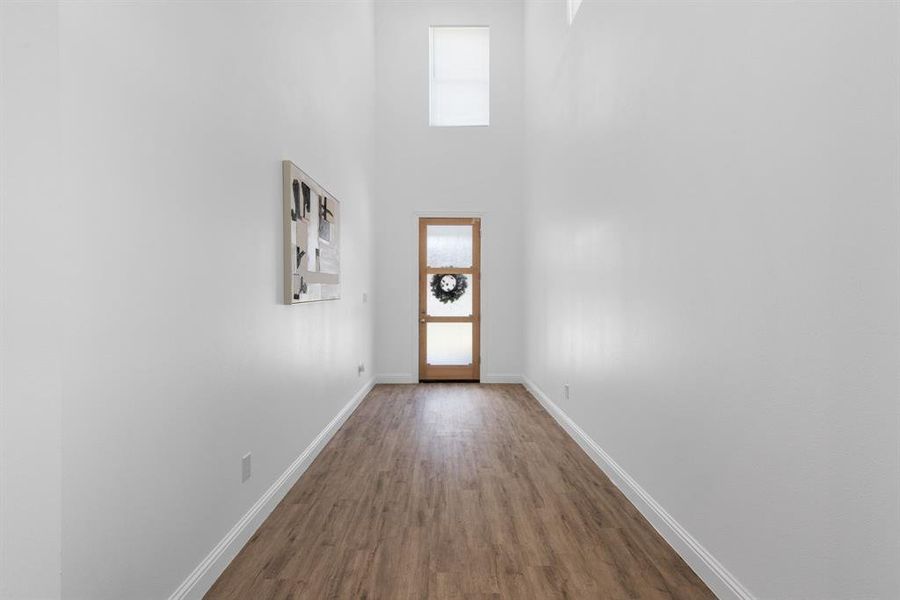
(246, 246)
(450, 491)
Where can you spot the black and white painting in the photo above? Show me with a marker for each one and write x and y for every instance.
(312, 230)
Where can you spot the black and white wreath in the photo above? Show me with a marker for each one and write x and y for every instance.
(448, 288)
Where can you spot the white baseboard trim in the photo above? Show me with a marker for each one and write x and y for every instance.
(206, 573)
(396, 378)
(407, 378)
(710, 570)
(501, 378)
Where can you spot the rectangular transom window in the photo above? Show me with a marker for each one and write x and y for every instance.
(459, 76)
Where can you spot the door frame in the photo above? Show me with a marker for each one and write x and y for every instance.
(470, 372)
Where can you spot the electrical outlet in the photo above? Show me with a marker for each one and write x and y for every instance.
(566, 391)
(365, 297)
(245, 467)
(361, 368)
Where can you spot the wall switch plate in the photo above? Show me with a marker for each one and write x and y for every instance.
(361, 368)
(566, 390)
(245, 467)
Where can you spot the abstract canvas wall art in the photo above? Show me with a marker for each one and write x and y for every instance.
(312, 239)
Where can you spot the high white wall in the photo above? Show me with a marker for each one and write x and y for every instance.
(443, 171)
(713, 195)
(30, 316)
(161, 220)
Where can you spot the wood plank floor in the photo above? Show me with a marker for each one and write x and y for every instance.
(455, 491)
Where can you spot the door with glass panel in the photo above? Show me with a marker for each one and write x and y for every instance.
(449, 299)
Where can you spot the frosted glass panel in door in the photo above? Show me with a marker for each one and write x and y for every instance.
(449, 246)
(449, 344)
(460, 307)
